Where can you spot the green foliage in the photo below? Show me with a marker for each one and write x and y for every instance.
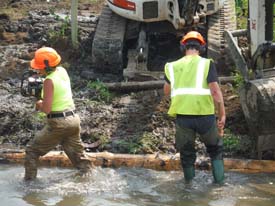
(56, 34)
(131, 146)
(231, 142)
(238, 79)
(241, 4)
(104, 140)
(100, 90)
(241, 145)
(39, 116)
(144, 144)
(148, 142)
(242, 13)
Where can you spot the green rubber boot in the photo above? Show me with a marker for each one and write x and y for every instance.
(218, 171)
(189, 174)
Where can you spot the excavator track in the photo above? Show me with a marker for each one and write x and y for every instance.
(108, 43)
(218, 23)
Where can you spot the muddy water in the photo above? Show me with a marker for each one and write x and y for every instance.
(132, 187)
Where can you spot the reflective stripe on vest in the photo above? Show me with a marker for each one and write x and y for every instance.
(198, 90)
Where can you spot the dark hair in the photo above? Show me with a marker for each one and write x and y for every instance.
(193, 44)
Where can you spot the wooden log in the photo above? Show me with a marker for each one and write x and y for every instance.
(249, 166)
(103, 159)
(135, 86)
(149, 161)
(147, 85)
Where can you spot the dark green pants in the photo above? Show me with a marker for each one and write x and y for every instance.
(187, 128)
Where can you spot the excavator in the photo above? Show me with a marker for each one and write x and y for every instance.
(253, 50)
(127, 29)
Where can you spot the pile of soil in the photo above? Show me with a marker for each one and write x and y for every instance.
(134, 122)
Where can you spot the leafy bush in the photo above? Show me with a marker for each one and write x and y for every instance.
(238, 79)
(238, 145)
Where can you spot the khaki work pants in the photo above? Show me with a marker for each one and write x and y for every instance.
(64, 131)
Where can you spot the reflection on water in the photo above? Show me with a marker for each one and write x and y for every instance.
(132, 187)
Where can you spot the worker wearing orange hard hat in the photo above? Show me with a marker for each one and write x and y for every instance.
(63, 124)
(191, 82)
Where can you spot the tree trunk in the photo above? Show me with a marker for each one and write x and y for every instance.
(150, 161)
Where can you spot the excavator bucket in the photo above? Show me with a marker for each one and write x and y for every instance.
(258, 104)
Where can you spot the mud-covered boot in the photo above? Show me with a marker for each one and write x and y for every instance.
(30, 164)
(30, 174)
(218, 171)
(30, 170)
(189, 174)
(84, 166)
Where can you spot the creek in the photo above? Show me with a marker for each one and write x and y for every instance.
(132, 187)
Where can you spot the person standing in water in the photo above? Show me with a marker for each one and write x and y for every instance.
(192, 85)
(63, 124)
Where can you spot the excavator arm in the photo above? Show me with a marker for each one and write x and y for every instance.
(256, 63)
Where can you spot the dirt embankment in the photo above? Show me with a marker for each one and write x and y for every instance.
(130, 123)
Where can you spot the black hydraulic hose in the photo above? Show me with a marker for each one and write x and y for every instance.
(269, 20)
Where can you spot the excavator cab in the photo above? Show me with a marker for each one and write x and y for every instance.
(179, 12)
(256, 63)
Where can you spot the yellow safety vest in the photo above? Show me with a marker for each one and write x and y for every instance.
(190, 94)
(62, 94)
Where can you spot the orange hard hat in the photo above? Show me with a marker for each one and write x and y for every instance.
(193, 35)
(45, 54)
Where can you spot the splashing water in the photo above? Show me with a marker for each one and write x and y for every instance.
(132, 187)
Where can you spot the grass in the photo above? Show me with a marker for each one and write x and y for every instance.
(100, 90)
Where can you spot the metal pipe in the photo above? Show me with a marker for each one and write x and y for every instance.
(269, 20)
(74, 28)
